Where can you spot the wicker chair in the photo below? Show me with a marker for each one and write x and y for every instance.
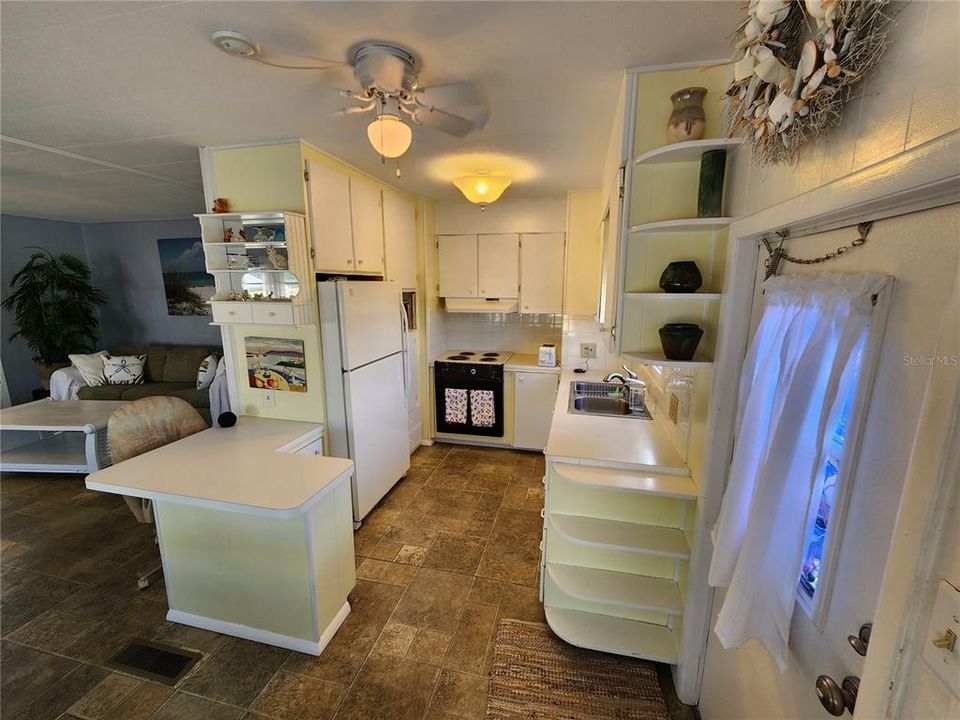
(140, 427)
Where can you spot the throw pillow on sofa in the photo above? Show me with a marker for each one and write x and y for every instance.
(123, 370)
(206, 372)
(90, 366)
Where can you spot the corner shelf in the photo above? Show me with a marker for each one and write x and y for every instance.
(619, 589)
(653, 358)
(689, 151)
(665, 296)
(619, 535)
(249, 270)
(680, 487)
(250, 244)
(613, 634)
(682, 225)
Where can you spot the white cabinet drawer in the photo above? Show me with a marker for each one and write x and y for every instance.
(271, 313)
(230, 312)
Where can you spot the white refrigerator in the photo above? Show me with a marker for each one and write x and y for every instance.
(363, 365)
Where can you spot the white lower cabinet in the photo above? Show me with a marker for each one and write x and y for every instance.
(615, 554)
(535, 394)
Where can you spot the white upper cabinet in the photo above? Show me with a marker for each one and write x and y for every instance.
(400, 239)
(498, 265)
(458, 265)
(541, 272)
(331, 228)
(367, 215)
(346, 222)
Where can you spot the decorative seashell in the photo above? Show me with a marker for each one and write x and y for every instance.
(816, 8)
(833, 70)
(787, 122)
(804, 111)
(808, 59)
(779, 107)
(786, 85)
(768, 93)
(798, 105)
(785, 139)
(752, 89)
(759, 132)
(743, 68)
(760, 110)
(830, 38)
(772, 11)
(762, 52)
(829, 56)
(753, 28)
(847, 41)
(771, 70)
(814, 83)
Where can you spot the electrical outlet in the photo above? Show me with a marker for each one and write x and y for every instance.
(588, 350)
(674, 408)
(270, 398)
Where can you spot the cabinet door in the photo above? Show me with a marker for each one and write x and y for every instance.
(400, 239)
(535, 395)
(331, 230)
(367, 214)
(458, 265)
(498, 265)
(541, 273)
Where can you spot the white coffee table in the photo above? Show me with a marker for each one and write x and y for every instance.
(56, 436)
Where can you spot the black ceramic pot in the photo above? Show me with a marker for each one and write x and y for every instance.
(682, 276)
(680, 340)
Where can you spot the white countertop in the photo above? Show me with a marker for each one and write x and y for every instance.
(527, 362)
(236, 469)
(611, 441)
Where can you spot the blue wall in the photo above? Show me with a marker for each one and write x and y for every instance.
(126, 266)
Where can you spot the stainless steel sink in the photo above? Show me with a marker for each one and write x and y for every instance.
(602, 398)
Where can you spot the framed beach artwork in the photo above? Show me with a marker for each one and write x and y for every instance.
(276, 364)
(186, 283)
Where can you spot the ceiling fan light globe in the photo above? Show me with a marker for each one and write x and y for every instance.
(482, 189)
(389, 135)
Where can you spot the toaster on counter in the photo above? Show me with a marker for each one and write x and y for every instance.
(547, 356)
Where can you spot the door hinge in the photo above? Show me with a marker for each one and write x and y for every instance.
(306, 176)
(313, 253)
(622, 179)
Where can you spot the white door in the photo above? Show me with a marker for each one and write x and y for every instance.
(541, 273)
(400, 239)
(367, 215)
(378, 434)
(498, 265)
(458, 265)
(745, 683)
(369, 322)
(331, 228)
(535, 395)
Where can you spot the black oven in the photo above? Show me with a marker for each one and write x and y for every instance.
(469, 398)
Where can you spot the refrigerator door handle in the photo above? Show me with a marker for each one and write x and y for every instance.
(403, 345)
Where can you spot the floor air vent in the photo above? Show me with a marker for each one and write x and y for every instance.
(154, 661)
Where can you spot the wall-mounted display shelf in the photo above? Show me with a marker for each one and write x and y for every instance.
(657, 358)
(260, 256)
(673, 297)
(690, 151)
(682, 225)
(607, 633)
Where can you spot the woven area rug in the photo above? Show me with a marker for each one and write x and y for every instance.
(536, 676)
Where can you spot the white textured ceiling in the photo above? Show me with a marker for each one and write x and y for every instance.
(139, 85)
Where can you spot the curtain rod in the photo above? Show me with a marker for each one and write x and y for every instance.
(777, 254)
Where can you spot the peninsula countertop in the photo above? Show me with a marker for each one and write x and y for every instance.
(247, 469)
(615, 441)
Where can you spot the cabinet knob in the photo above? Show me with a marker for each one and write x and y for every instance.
(271, 314)
(349, 261)
(359, 262)
(231, 312)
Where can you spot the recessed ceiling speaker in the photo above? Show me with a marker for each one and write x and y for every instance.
(235, 43)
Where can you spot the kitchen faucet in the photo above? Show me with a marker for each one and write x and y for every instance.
(630, 379)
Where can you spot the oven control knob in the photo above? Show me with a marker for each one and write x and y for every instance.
(473, 371)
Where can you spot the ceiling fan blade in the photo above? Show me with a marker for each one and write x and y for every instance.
(356, 109)
(462, 94)
(443, 121)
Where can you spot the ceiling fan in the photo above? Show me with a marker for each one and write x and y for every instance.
(388, 76)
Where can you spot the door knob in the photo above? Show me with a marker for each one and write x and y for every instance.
(837, 698)
(860, 641)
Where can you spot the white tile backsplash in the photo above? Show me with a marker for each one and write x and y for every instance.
(584, 329)
(512, 332)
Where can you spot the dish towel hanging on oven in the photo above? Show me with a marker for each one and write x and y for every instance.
(455, 406)
(482, 412)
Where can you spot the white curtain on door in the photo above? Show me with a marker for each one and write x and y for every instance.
(800, 367)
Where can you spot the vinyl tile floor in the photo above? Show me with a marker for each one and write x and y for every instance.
(453, 548)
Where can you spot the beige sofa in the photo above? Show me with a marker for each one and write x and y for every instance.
(170, 370)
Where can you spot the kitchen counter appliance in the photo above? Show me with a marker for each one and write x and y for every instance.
(469, 392)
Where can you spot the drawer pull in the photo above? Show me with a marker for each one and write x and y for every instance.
(542, 511)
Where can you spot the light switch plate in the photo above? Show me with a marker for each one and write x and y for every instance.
(674, 408)
(946, 615)
(270, 398)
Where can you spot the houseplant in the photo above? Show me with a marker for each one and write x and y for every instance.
(53, 302)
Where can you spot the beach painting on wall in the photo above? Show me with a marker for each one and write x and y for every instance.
(186, 283)
(276, 364)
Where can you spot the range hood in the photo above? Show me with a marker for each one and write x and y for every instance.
(480, 305)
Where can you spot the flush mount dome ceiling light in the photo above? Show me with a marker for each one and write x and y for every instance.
(482, 188)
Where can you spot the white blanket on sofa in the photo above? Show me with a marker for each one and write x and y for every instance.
(65, 382)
